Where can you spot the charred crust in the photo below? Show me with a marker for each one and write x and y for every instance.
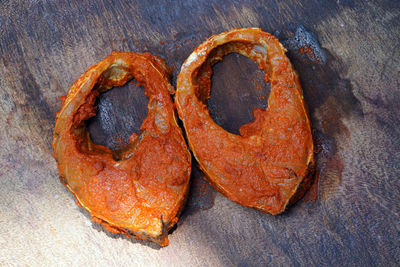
(63, 180)
(160, 239)
(305, 184)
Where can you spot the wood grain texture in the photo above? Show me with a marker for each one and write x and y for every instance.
(350, 81)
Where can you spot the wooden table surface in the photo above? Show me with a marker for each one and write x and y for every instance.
(347, 55)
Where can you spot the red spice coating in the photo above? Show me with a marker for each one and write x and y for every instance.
(268, 165)
(138, 191)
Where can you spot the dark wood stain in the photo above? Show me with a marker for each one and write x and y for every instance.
(120, 113)
(201, 194)
(347, 56)
(237, 88)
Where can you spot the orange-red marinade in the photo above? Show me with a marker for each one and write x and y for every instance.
(269, 165)
(138, 191)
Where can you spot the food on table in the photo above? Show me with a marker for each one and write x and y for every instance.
(269, 165)
(140, 190)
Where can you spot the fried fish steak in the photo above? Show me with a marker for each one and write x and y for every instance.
(269, 165)
(139, 190)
